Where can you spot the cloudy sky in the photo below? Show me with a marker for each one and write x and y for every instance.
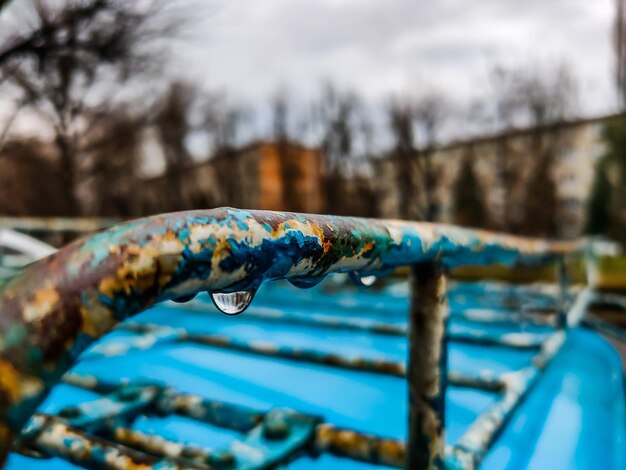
(251, 48)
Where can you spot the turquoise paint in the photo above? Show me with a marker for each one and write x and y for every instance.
(394, 243)
(587, 370)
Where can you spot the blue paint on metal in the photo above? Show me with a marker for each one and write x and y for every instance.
(574, 418)
(373, 403)
(120, 272)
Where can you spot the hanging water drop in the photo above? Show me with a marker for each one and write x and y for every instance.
(183, 298)
(233, 303)
(305, 282)
(365, 281)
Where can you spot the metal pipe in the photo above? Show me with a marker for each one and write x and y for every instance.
(358, 446)
(563, 280)
(54, 437)
(516, 340)
(57, 224)
(157, 334)
(427, 370)
(56, 307)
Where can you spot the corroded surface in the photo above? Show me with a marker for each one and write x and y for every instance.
(359, 446)
(55, 308)
(54, 437)
(57, 224)
(153, 335)
(347, 443)
(427, 369)
(519, 340)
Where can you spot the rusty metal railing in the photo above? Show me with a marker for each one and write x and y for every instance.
(56, 224)
(57, 307)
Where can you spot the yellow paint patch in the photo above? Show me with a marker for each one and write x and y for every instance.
(15, 385)
(43, 303)
(97, 319)
(139, 272)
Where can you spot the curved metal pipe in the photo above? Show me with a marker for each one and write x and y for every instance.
(55, 308)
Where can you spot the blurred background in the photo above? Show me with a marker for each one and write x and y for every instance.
(494, 113)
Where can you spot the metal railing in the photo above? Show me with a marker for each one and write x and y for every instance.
(56, 224)
(57, 307)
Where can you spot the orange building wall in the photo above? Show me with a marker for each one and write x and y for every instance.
(309, 183)
(270, 183)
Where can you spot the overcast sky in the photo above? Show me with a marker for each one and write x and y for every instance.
(251, 48)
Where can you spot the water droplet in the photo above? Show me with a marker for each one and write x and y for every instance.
(233, 303)
(183, 298)
(305, 282)
(365, 281)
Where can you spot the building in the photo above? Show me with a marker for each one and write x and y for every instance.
(290, 176)
(250, 177)
(576, 146)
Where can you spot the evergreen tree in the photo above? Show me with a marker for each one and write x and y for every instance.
(541, 202)
(607, 206)
(469, 205)
(599, 214)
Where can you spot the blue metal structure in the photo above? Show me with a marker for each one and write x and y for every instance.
(182, 387)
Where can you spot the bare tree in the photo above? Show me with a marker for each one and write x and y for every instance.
(538, 99)
(222, 121)
(173, 127)
(289, 164)
(61, 59)
(415, 127)
(338, 117)
(113, 154)
(404, 156)
(549, 98)
(28, 160)
(505, 118)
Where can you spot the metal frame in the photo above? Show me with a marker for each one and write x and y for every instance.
(56, 224)
(55, 308)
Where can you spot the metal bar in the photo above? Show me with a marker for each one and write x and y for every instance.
(605, 327)
(155, 333)
(55, 308)
(486, 381)
(580, 306)
(427, 371)
(267, 348)
(92, 383)
(358, 446)
(474, 444)
(57, 224)
(53, 437)
(24, 244)
(616, 300)
(519, 340)
(126, 402)
(169, 401)
(503, 318)
(182, 454)
(317, 320)
(217, 413)
(328, 438)
(563, 280)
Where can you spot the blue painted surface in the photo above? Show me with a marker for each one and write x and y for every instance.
(573, 418)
